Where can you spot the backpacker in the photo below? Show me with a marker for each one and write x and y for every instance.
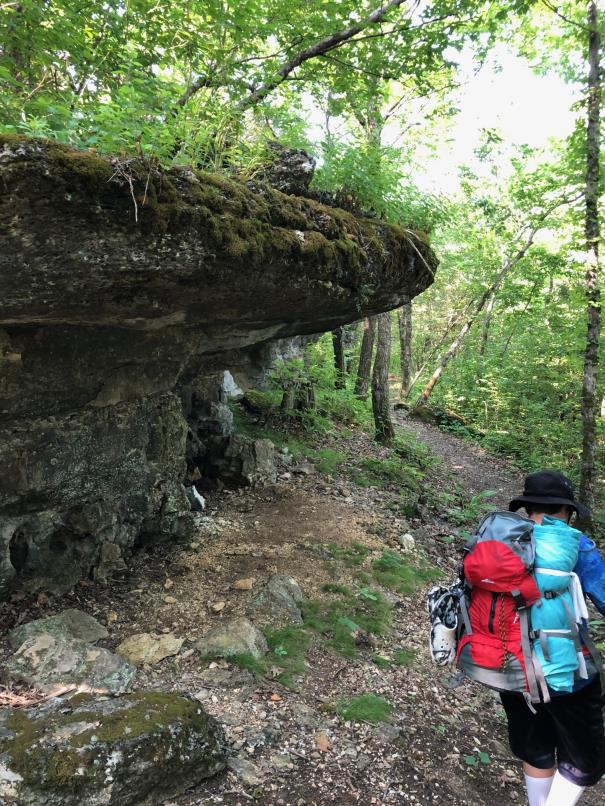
(495, 642)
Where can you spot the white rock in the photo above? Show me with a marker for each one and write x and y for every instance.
(407, 542)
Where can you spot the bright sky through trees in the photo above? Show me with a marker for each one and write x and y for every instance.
(507, 96)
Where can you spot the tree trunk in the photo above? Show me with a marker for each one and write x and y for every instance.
(380, 381)
(362, 384)
(339, 358)
(404, 317)
(588, 464)
(349, 337)
(486, 323)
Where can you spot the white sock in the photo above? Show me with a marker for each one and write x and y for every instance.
(564, 792)
(537, 789)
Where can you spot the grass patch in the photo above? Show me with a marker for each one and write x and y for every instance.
(390, 472)
(414, 452)
(337, 621)
(329, 460)
(247, 661)
(287, 649)
(381, 661)
(461, 509)
(365, 708)
(393, 572)
(336, 587)
(404, 657)
(351, 556)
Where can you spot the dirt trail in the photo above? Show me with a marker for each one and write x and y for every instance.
(474, 468)
(290, 746)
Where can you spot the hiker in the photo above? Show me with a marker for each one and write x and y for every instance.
(562, 744)
(516, 621)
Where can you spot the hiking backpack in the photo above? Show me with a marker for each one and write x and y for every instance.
(483, 620)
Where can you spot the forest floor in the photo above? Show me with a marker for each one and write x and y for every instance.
(291, 740)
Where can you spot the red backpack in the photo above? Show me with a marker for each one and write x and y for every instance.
(495, 639)
(497, 566)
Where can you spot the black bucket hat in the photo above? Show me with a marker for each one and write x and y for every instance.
(549, 487)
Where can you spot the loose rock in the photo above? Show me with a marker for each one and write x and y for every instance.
(278, 602)
(70, 623)
(244, 584)
(407, 542)
(51, 663)
(246, 771)
(234, 638)
(149, 647)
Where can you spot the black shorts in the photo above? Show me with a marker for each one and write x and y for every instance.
(567, 732)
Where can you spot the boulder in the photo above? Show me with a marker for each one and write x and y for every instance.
(241, 461)
(50, 664)
(70, 623)
(237, 637)
(143, 747)
(277, 603)
(289, 169)
(149, 647)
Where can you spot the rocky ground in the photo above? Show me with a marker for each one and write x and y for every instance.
(289, 734)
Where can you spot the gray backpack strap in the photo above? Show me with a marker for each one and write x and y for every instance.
(595, 656)
(465, 616)
(536, 683)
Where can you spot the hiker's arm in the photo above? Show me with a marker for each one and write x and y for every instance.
(590, 569)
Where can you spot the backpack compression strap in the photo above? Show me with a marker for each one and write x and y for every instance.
(579, 617)
(536, 682)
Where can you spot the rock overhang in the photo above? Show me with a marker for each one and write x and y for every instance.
(112, 329)
(92, 241)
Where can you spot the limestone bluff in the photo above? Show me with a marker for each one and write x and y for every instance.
(115, 334)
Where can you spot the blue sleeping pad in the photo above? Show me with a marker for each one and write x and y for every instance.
(557, 548)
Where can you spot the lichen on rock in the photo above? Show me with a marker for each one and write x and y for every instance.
(52, 663)
(237, 637)
(69, 623)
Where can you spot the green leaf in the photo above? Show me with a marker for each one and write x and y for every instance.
(470, 760)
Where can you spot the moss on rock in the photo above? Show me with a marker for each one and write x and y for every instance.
(143, 745)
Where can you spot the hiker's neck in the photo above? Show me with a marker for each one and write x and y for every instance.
(562, 515)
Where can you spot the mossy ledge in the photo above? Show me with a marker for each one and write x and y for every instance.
(83, 221)
(146, 744)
